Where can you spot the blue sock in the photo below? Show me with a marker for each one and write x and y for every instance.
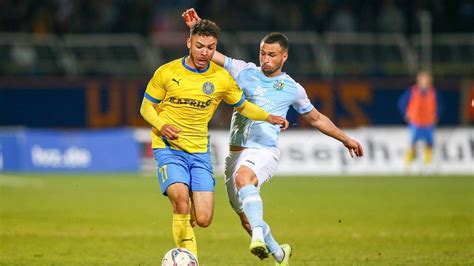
(271, 243)
(253, 208)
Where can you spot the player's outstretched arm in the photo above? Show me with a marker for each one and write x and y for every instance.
(252, 111)
(325, 125)
(190, 17)
(148, 112)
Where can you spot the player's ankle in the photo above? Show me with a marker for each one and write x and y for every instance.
(279, 254)
(257, 234)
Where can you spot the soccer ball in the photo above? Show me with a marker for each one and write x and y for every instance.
(179, 257)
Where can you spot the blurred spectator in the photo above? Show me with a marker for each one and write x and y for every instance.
(167, 15)
(366, 11)
(294, 19)
(343, 20)
(466, 16)
(391, 19)
(265, 10)
(23, 55)
(62, 16)
(318, 14)
(43, 21)
(439, 16)
(148, 16)
(104, 15)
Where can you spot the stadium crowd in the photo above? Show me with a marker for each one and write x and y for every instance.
(151, 17)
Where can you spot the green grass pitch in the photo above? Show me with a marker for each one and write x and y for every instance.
(123, 220)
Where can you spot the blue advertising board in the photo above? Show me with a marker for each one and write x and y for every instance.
(105, 103)
(113, 150)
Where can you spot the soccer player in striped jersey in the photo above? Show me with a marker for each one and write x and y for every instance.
(254, 152)
(179, 102)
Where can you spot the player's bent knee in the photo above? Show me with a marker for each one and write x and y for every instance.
(204, 224)
(203, 221)
(242, 179)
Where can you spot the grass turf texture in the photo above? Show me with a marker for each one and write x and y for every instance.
(123, 220)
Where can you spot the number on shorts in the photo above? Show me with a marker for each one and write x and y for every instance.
(163, 173)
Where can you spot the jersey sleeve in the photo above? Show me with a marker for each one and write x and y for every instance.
(234, 66)
(403, 102)
(156, 88)
(234, 95)
(302, 104)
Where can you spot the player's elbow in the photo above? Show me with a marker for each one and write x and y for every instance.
(315, 124)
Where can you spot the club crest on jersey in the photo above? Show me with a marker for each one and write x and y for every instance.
(208, 87)
(278, 85)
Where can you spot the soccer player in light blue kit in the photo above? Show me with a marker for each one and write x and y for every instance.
(254, 152)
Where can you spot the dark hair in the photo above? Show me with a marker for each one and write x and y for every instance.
(277, 37)
(205, 27)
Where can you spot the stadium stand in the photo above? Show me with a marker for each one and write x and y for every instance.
(333, 54)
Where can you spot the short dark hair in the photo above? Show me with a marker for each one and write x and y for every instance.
(277, 37)
(205, 27)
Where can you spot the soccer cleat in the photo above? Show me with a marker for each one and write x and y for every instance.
(286, 259)
(259, 249)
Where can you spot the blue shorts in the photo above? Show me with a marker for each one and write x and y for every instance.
(192, 169)
(422, 133)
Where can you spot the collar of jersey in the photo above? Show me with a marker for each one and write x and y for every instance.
(183, 61)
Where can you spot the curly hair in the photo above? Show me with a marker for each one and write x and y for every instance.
(205, 27)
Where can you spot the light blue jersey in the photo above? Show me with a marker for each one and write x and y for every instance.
(273, 94)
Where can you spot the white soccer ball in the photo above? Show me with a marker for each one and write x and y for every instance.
(179, 257)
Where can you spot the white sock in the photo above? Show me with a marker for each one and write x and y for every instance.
(279, 254)
(257, 233)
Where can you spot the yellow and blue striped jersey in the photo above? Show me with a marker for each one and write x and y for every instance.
(187, 99)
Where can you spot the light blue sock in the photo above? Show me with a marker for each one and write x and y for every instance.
(271, 243)
(253, 209)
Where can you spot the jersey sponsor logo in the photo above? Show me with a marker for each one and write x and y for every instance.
(190, 102)
(279, 85)
(187, 239)
(251, 162)
(176, 80)
(208, 87)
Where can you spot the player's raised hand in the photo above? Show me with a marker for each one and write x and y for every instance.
(170, 132)
(190, 17)
(354, 148)
(278, 120)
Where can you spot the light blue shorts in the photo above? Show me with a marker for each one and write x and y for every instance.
(192, 169)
